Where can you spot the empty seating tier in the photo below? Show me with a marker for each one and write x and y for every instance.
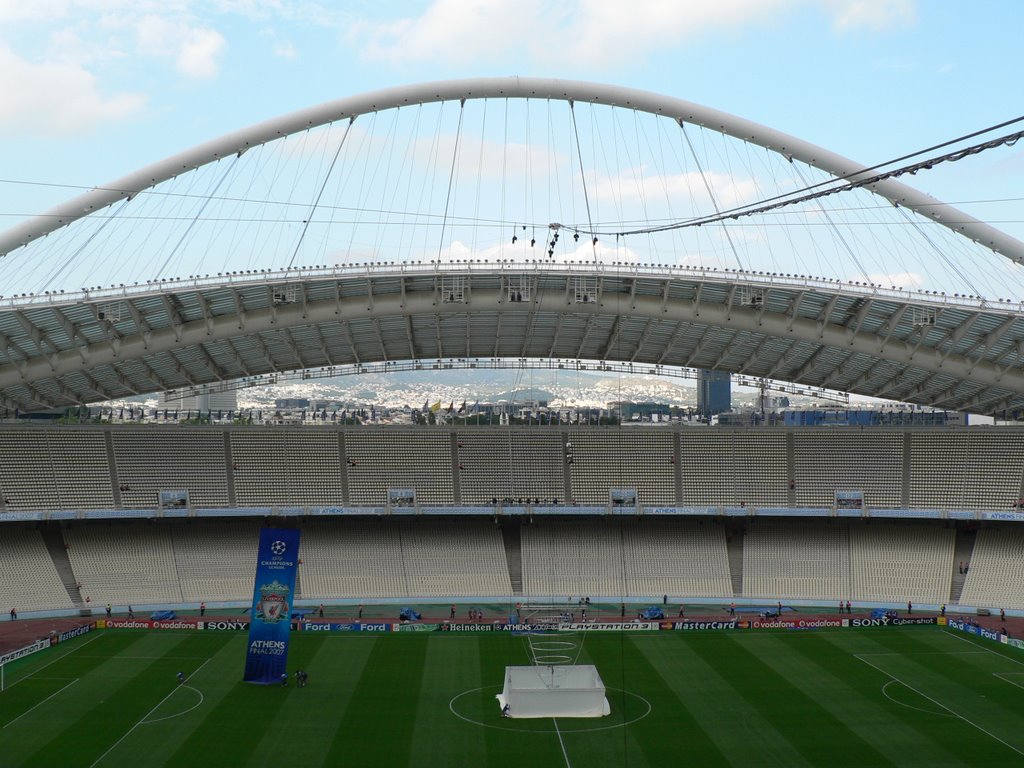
(30, 581)
(379, 459)
(153, 459)
(286, 467)
(974, 469)
(826, 461)
(786, 560)
(996, 570)
(622, 458)
(733, 467)
(124, 563)
(510, 463)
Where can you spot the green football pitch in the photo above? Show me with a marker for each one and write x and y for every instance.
(922, 696)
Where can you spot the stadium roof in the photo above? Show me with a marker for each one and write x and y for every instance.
(954, 353)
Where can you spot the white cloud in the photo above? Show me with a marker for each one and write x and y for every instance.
(36, 10)
(877, 15)
(285, 50)
(199, 54)
(597, 32)
(196, 50)
(729, 190)
(909, 280)
(55, 98)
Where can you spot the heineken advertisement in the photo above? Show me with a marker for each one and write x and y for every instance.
(267, 656)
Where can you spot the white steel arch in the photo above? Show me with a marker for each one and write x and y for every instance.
(352, 107)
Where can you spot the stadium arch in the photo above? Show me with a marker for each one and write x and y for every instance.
(66, 349)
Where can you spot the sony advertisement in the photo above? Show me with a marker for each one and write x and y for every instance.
(276, 563)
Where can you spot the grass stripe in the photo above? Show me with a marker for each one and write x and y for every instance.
(451, 667)
(109, 700)
(788, 708)
(159, 743)
(237, 715)
(311, 716)
(638, 666)
(390, 683)
(736, 727)
(842, 685)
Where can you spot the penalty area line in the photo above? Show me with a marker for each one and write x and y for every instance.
(145, 717)
(62, 656)
(41, 702)
(940, 704)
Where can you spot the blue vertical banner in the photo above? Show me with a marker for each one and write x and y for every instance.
(267, 654)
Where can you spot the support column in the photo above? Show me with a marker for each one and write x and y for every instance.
(229, 462)
(343, 466)
(115, 484)
(905, 490)
(453, 447)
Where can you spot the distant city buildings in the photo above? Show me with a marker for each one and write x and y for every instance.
(204, 403)
(714, 393)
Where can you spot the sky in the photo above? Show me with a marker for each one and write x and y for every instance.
(93, 89)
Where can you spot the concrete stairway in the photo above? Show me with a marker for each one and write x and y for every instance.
(54, 540)
(962, 552)
(734, 547)
(511, 536)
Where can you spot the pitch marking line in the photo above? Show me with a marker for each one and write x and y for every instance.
(143, 658)
(62, 656)
(939, 703)
(1005, 677)
(908, 706)
(185, 712)
(564, 753)
(146, 717)
(924, 653)
(41, 702)
(982, 648)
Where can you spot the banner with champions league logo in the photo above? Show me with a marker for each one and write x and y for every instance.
(267, 655)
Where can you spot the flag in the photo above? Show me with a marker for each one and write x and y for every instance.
(426, 405)
(451, 406)
(435, 407)
(476, 407)
(462, 408)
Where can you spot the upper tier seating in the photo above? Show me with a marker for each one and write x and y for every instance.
(729, 467)
(826, 461)
(510, 463)
(379, 459)
(286, 467)
(622, 458)
(153, 459)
